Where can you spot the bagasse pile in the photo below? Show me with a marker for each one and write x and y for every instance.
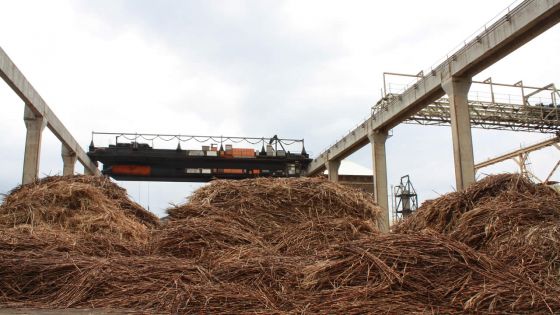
(275, 246)
(289, 216)
(420, 273)
(83, 213)
(505, 216)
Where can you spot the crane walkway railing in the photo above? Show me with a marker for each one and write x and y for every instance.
(510, 31)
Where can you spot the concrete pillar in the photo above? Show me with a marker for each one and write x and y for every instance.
(457, 90)
(332, 168)
(35, 126)
(377, 140)
(87, 171)
(69, 161)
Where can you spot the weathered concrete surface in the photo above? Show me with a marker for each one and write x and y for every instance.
(457, 90)
(523, 23)
(69, 159)
(17, 81)
(332, 168)
(381, 194)
(35, 126)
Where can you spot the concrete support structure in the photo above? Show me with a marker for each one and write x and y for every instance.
(521, 24)
(377, 140)
(35, 126)
(457, 90)
(332, 169)
(38, 115)
(88, 172)
(69, 159)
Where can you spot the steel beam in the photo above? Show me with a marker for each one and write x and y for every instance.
(519, 152)
(21, 86)
(552, 172)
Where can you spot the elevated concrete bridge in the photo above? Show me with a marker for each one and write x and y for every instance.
(452, 77)
(529, 108)
(38, 115)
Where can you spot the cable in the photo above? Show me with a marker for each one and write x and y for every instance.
(200, 139)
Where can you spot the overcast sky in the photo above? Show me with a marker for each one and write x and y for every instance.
(299, 69)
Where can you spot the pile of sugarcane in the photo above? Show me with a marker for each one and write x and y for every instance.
(274, 246)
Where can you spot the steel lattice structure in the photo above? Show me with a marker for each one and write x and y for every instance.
(526, 111)
(500, 116)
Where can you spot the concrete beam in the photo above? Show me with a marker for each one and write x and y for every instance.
(21, 86)
(35, 126)
(523, 23)
(520, 25)
(457, 90)
(377, 140)
(69, 161)
(332, 168)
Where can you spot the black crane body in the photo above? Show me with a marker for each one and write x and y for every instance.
(135, 161)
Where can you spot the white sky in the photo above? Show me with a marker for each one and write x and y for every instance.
(299, 69)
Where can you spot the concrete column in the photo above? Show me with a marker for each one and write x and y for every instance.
(87, 171)
(69, 161)
(377, 140)
(35, 126)
(332, 168)
(457, 90)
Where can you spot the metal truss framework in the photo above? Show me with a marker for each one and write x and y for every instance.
(521, 157)
(524, 111)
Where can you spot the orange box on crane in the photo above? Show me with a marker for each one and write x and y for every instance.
(140, 170)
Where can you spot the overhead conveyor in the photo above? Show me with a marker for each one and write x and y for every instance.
(522, 108)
